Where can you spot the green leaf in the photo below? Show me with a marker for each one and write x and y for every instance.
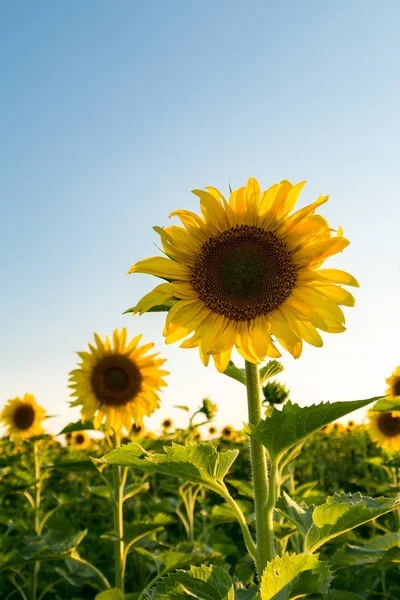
(78, 426)
(197, 463)
(243, 487)
(200, 583)
(386, 404)
(381, 549)
(298, 514)
(61, 535)
(281, 574)
(223, 513)
(285, 428)
(182, 407)
(273, 367)
(343, 512)
(157, 308)
(74, 465)
(235, 373)
(112, 594)
(343, 595)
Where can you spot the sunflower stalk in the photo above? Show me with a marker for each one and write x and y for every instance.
(37, 527)
(264, 491)
(119, 551)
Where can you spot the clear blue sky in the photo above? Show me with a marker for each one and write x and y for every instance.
(112, 112)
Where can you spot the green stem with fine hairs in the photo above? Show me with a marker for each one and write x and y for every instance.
(262, 497)
(117, 501)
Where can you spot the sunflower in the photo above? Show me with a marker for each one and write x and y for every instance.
(166, 424)
(338, 428)
(80, 440)
(384, 429)
(394, 384)
(326, 429)
(351, 425)
(117, 382)
(227, 433)
(247, 270)
(212, 430)
(23, 417)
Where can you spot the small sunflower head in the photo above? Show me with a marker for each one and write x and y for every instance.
(227, 433)
(351, 425)
(166, 424)
(80, 440)
(68, 438)
(23, 418)
(209, 408)
(393, 382)
(137, 430)
(117, 382)
(195, 435)
(212, 430)
(275, 393)
(326, 428)
(384, 429)
(338, 428)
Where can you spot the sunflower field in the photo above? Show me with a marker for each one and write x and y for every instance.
(301, 502)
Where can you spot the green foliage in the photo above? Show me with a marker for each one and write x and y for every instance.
(381, 549)
(157, 308)
(234, 372)
(285, 428)
(343, 512)
(202, 583)
(275, 393)
(272, 368)
(112, 594)
(282, 578)
(197, 463)
(78, 426)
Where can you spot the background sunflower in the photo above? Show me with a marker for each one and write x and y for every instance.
(384, 429)
(23, 418)
(80, 440)
(117, 382)
(247, 270)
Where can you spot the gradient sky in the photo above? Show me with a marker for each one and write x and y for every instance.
(112, 112)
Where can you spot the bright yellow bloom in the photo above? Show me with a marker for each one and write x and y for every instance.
(246, 274)
(394, 384)
(80, 440)
(117, 382)
(384, 429)
(338, 428)
(167, 424)
(23, 418)
(351, 425)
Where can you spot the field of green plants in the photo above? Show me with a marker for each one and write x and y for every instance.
(57, 525)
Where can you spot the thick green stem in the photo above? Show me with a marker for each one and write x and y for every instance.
(118, 485)
(264, 527)
(38, 486)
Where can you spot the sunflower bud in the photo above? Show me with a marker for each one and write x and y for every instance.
(275, 393)
(209, 409)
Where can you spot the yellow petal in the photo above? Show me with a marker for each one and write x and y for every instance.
(162, 267)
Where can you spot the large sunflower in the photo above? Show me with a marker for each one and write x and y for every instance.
(117, 382)
(384, 429)
(23, 418)
(247, 270)
(393, 382)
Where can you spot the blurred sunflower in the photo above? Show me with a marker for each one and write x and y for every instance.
(137, 430)
(227, 433)
(68, 438)
(326, 428)
(393, 382)
(338, 427)
(351, 425)
(23, 418)
(212, 430)
(80, 440)
(384, 429)
(247, 270)
(117, 382)
(195, 435)
(166, 424)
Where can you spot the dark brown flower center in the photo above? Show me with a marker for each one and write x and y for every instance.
(24, 417)
(79, 439)
(244, 272)
(396, 387)
(389, 425)
(116, 380)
